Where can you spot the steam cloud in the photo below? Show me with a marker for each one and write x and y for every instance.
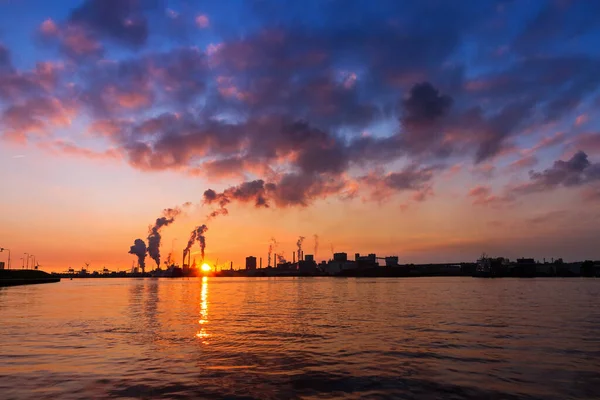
(139, 249)
(197, 234)
(154, 237)
(200, 231)
(299, 245)
(272, 246)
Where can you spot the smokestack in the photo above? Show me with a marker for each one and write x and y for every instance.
(275, 260)
(261, 263)
(294, 258)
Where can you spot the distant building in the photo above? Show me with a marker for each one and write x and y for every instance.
(251, 263)
(340, 257)
(391, 261)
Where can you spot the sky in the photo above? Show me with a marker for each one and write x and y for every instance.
(432, 130)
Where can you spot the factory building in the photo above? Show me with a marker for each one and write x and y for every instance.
(251, 263)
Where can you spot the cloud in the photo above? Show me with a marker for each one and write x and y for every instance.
(122, 20)
(36, 115)
(413, 178)
(576, 171)
(581, 119)
(62, 147)
(287, 103)
(552, 216)
(589, 141)
(482, 195)
(523, 162)
(202, 21)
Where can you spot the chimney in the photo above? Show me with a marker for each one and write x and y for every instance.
(183, 258)
(231, 265)
(294, 257)
(261, 263)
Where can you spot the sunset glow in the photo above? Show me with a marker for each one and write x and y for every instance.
(242, 123)
(205, 268)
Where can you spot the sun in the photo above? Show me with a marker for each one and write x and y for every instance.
(205, 268)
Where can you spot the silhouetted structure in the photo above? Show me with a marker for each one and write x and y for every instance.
(250, 263)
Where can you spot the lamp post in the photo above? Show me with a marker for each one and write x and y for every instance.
(1, 250)
(27, 259)
(22, 263)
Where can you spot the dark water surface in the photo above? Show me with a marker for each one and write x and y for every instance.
(436, 338)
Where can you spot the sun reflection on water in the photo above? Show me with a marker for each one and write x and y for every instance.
(202, 334)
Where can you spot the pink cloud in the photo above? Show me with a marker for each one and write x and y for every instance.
(581, 119)
(61, 147)
(49, 28)
(523, 162)
(482, 195)
(106, 127)
(79, 42)
(36, 115)
(227, 88)
(202, 21)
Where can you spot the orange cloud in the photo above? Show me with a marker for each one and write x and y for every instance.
(63, 147)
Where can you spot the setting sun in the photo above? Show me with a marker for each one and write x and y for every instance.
(205, 268)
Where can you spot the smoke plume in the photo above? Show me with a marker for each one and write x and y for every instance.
(272, 246)
(197, 234)
(280, 259)
(189, 245)
(154, 237)
(316, 249)
(139, 249)
(299, 245)
(253, 191)
(200, 231)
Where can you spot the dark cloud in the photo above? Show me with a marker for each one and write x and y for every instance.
(423, 111)
(122, 20)
(289, 190)
(499, 127)
(576, 171)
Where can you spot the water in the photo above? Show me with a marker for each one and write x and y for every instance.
(436, 338)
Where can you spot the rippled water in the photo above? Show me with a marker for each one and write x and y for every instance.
(437, 338)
